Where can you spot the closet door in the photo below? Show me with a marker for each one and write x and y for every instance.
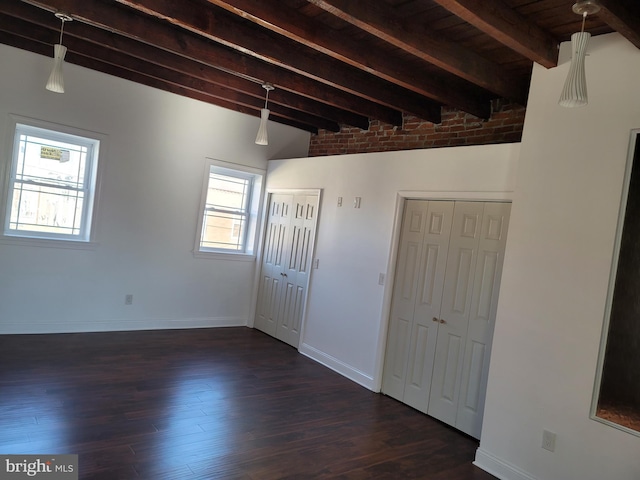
(416, 301)
(484, 301)
(454, 314)
(295, 274)
(272, 268)
(424, 331)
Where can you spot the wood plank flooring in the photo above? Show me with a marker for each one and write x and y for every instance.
(225, 403)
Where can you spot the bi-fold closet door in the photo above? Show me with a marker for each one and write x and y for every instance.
(286, 263)
(443, 308)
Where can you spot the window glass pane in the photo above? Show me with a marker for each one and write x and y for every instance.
(48, 161)
(44, 209)
(226, 192)
(223, 230)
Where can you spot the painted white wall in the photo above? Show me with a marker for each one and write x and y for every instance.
(346, 318)
(555, 277)
(147, 212)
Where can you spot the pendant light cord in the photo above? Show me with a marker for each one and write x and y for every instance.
(61, 30)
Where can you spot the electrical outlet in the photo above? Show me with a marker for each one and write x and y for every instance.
(381, 279)
(128, 299)
(548, 440)
(339, 201)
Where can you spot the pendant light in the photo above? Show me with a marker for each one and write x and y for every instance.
(262, 138)
(574, 93)
(56, 80)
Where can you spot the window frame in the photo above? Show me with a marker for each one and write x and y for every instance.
(253, 211)
(96, 144)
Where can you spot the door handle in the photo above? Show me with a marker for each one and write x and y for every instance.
(434, 319)
(283, 274)
(442, 320)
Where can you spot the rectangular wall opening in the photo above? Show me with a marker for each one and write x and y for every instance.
(618, 392)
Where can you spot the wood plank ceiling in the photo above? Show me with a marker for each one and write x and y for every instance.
(332, 62)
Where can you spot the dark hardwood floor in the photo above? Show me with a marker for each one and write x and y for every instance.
(228, 403)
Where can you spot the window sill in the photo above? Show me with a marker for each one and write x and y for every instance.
(237, 257)
(47, 243)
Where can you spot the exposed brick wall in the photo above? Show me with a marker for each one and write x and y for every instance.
(457, 128)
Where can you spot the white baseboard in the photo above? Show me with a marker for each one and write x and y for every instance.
(337, 366)
(120, 325)
(499, 468)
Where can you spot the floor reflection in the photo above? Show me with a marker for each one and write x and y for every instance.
(195, 429)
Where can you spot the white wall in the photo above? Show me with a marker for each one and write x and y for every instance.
(346, 318)
(146, 221)
(555, 277)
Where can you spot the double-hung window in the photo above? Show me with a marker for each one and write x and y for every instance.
(229, 209)
(51, 185)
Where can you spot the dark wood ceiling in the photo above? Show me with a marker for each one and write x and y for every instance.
(332, 62)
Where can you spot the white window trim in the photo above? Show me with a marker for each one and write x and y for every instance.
(254, 217)
(6, 166)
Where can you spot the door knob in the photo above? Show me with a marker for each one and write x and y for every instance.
(435, 319)
(442, 320)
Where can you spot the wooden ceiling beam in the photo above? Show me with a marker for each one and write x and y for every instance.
(623, 20)
(18, 41)
(185, 66)
(232, 32)
(277, 17)
(497, 19)
(380, 20)
(152, 32)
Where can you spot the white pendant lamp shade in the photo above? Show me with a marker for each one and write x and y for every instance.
(263, 138)
(574, 93)
(56, 80)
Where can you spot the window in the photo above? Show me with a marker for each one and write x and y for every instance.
(51, 185)
(229, 210)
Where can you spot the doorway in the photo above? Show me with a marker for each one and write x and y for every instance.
(443, 308)
(286, 263)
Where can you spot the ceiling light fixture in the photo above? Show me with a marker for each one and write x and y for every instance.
(262, 138)
(574, 93)
(56, 80)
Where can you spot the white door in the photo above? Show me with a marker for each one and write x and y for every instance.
(296, 269)
(286, 262)
(443, 308)
(416, 301)
(484, 301)
(272, 268)
(454, 314)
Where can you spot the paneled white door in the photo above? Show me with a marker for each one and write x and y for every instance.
(286, 262)
(443, 308)
(454, 314)
(482, 314)
(416, 301)
(296, 269)
(272, 268)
